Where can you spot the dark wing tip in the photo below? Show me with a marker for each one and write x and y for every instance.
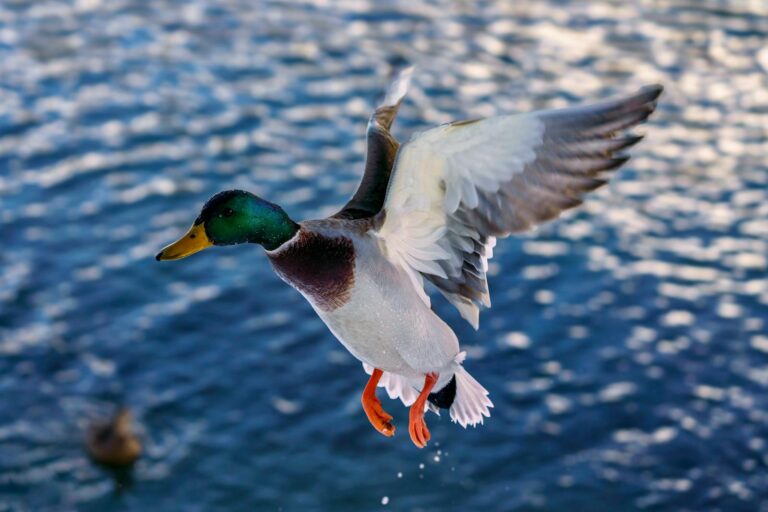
(645, 100)
(646, 96)
(614, 163)
(624, 143)
(652, 91)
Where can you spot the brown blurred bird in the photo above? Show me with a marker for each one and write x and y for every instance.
(113, 442)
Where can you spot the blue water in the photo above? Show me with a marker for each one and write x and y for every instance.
(627, 349)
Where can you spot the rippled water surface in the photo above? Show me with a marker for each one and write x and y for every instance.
(627, 350)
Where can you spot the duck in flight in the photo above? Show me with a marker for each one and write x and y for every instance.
(429, 210)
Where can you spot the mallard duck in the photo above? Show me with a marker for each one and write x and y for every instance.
(431, 209)
(113, 442)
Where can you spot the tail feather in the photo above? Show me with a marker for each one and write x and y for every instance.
(471, 403)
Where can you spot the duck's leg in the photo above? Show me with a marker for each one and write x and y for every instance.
(416, 424)
(372, 406)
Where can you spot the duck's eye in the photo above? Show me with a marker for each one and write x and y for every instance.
(228, 212)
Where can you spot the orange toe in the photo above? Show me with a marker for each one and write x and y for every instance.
(378, 417)
(417, 427)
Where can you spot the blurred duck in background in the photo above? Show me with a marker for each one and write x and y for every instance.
(113, 442)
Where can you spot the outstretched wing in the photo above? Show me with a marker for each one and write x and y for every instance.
(382, 149)
(457, 187)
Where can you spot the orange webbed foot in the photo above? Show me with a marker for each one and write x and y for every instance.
(378, 417)
(417, 427)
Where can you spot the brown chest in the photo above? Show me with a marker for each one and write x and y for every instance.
(321, 267)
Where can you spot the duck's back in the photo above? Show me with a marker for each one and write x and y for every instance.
(369, 304)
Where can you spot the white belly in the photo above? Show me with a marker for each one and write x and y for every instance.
(387, 325)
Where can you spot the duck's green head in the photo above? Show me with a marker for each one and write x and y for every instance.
(233, 217)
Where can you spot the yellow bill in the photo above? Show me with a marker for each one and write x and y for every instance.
(195, 240)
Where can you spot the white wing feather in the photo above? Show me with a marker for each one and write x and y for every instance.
(457, 187)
